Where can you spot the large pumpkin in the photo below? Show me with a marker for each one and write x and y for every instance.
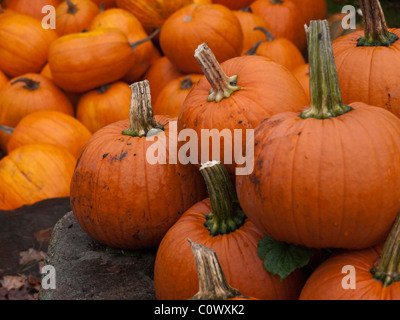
(24, 44)
(35, 172)
(238, 94)
(217, 222)
(120, 195)
(192, 25)
(323, 178)
(362, 61)
(28, 93)
(83, 61)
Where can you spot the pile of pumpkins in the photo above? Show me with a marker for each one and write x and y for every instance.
(81, 105)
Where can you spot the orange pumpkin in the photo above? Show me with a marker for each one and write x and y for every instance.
(281, 50)
(160, 73)
(143, 48)
(219, 223)
(171, 98)
(198, 24)
(312, 9)
(33, 173)
(234, 5)
(284, 18)
(3, 79)
(74, 16)
(105, 105)
(31, 8)
(249, 21)
(28, 93)
(52, 127)
(83, 61)
(116, 187)
(315, 182)
(302, 74)
(24, 44)
(244, 91)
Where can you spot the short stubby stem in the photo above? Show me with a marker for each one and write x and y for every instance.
(30, 84)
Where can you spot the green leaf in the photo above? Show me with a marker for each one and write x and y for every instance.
(280, 258)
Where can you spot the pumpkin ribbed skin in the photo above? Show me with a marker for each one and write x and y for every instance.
(24, 44)
(35, 172)
(105, 105)
(302, 74)
(51, 127)
(325, 283)
(175, 275)
(284, 18)
(312, 9)
(17, 101)
(31, 8)
(83, 61)
(330, 183)
(122, 200)
(267, 89)
(197, 24)
(364, 74)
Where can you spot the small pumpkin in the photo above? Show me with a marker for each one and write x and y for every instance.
(52, 127)
(312, 9)
(35, 172)
(281, 50)
(234, 5)
(104, 105)
(198, 24)
(24, 44)
(376, 273)
(219, 223)
(31, 8)
(28, 93)
(160, 73)
(171, 98)
(302, 74)
(284, 18)
(81, 62)
(120, 195)
(74, 16)
(362, 61)
(315, 182)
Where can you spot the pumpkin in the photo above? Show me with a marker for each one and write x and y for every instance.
(52, 127)
(214, 24)
(35, 172)
(143, 48)
(83, 61)
(104, 105)
(249, 21)
(302, 74)
(28, 93)
(74, 16)
(322, 179)
(212, 281)
(24, 44)
(152, 13)
(46, 71)
(3, 79)
(120, 195)
(32, 8)
(244, 91)
(312, 9)
(362, 61)
(281, 50)
(174, 94)
(160, 73)
(376, 273)
(284, 18)
(234, 5)
(219, 223)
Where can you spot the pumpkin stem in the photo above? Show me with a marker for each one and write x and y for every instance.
(102, 6)
(246, 9)
(30, 84)
(375, 30)
(141, 118)
(72, 8)
(186, 83)
(104, 88)
(7, 130)
(212, 281)
(388, 268)
(276, 1)
(326, 98)
(136, 44)
(226, 214)
(254, 48)
(222, 85)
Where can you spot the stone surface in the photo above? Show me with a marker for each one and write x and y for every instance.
(85, 270)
